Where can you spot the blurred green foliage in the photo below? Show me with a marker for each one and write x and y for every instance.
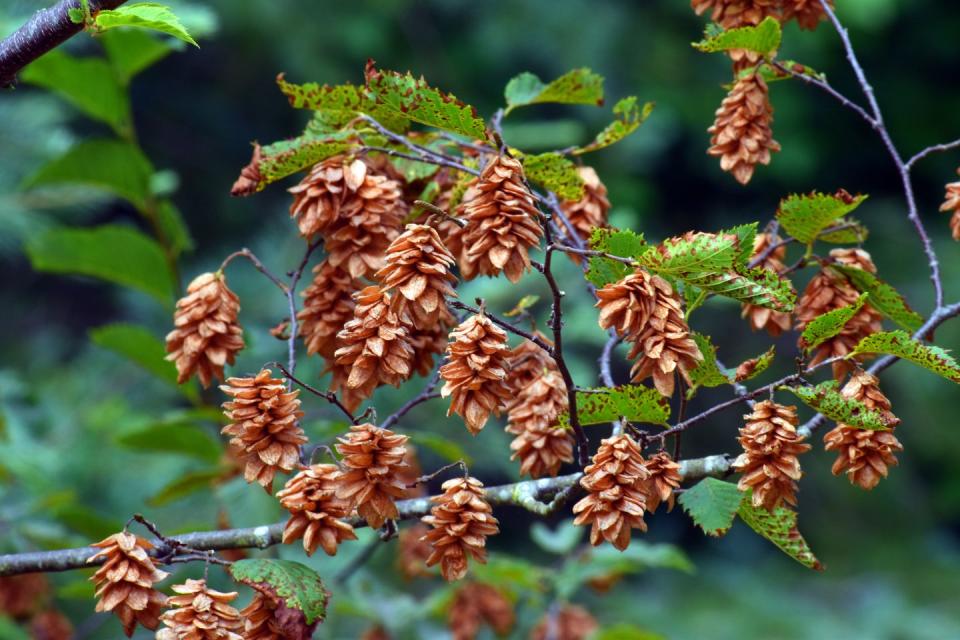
(74, 458)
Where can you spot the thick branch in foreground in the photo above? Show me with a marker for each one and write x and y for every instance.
(538, 496)
(47, 29)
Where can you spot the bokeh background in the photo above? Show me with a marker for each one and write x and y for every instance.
(68, 476)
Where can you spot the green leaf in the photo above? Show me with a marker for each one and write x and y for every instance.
(826, 399)
(712, 504)
(561, 540)
(883, 297)
(749, 369)
(139, 345)
(413, 170)
(772, 74)
(337, 105)
(131, 51)
(281, 159)
(845, 231)
(829, 324)
(174, 227)
(605, 561)
(707, 373)
(173, 436)
(89, 84)
(296, 585)
(780, 528)
(763, 38)
(509, 572)
(579, 86)
(556, 173)
(624, 631)
(443, 447)
(113, 253)
(113, 166)
(415, 100)
(619, 242)
(804, 216)
(636, 403)
(710, 261)
(144, 15)
(902, 345)
(628, 116)
(84, 520)
(184, 485)
(10, 630)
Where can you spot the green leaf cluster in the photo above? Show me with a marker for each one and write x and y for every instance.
(579, 86)
(144, 15)
(806, 216)
(628, 116)
(617, 242)
(763, 38)
(555, 173)
(883, 297)
(829, 324)
(297, 586)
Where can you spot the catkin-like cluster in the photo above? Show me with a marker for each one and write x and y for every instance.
(125, 581)
(769, 462)
(460, 520)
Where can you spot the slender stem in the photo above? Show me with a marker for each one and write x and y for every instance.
(291, 292)
(920, 155)
(329, 396)
(428, 393)
(249, 255)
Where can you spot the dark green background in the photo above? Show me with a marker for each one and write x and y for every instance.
(892, 554)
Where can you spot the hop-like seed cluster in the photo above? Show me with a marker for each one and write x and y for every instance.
(590, 211)
(357, 208)
(830, 290)
(50, 625)
(527, 362)
(200, 613)
(951, 203)
(125, 581)
(741, 134)
(475, 373)
(541, 444)
(569, 622)
(807, 13)
(664, 479)
(206, 335)
(373, 458)
(375, 344)
(645, 310)
(763, 318)
(264, 426)
(616, 499)
(461, 520)
(315, 510)
(475, 603)
(502, 224)
(327, 305)
(417, 265)
(769, 461)
(736, 13)
(260, 620)
(864, 455)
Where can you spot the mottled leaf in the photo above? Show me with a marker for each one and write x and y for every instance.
(804, 216)
(618, 242)
(338, 105)
(749, 369)
(902, 345)
(579, 86)
(628, 116)
(780, 528)
(826, 399)
(281, 159)
(763, 38)
(707, 373)
(883, 297)
(636, 403)
(712, 504)
(298, 587)
(844, 231)
(555, 173)
(829, 324)
(415, 100)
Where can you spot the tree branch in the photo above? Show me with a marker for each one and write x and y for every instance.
(537, 496)
(47, 29)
